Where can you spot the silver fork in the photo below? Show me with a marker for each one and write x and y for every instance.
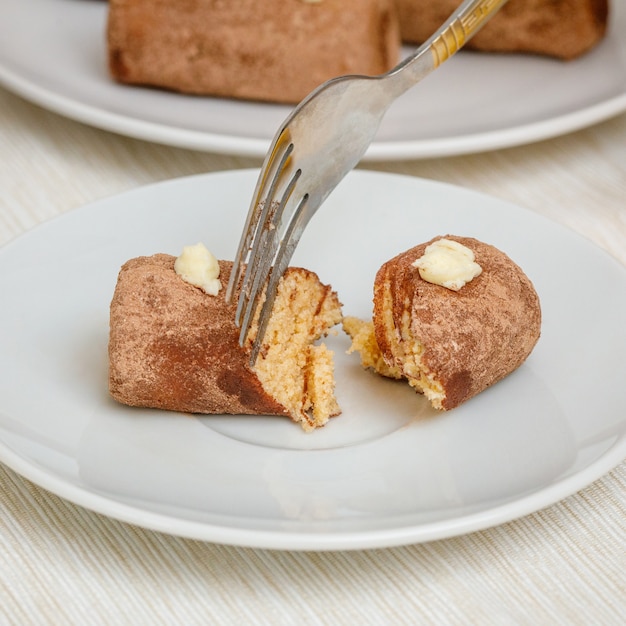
(322, 139)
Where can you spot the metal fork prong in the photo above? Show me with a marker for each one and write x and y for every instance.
(243, 249)
(283, 257)
(264, 251)
(260, 238)
(258, 231)
(275, 162)
(268, 236)
(262, 259)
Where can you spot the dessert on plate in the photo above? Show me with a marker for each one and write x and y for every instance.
(280, 50)
(270, 50)
(559, 28)
(173, 342)
(452, 316)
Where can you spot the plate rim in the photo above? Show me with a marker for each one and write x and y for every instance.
(322, 542)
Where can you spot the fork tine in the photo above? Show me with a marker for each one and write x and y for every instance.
(285, 252)
(262, 257)
(259, 245)
(268, 216)
(274, 161)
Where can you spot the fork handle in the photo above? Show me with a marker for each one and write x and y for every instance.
(458, 29)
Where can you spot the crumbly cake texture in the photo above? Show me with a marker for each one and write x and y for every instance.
(449, 345)
(274, 50)
(364, 342)
(560, 28)
(173, 347)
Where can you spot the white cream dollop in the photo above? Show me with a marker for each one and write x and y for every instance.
(197, 266)
(448, 263)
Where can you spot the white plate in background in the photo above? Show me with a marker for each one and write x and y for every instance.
(53, 53)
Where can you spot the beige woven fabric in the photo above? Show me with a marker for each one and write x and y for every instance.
(60, 564)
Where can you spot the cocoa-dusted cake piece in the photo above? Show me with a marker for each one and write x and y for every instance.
(172, 346)
(560, 28)
(271, 50)
(450, 342)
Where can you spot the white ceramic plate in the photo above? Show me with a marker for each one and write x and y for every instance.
(388, 471)
(52, 52)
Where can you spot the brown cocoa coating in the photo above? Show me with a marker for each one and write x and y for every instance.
(559, 28)
(173, 347)
(471, 338)
(277, 51)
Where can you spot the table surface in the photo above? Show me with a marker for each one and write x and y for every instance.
(64, 564)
